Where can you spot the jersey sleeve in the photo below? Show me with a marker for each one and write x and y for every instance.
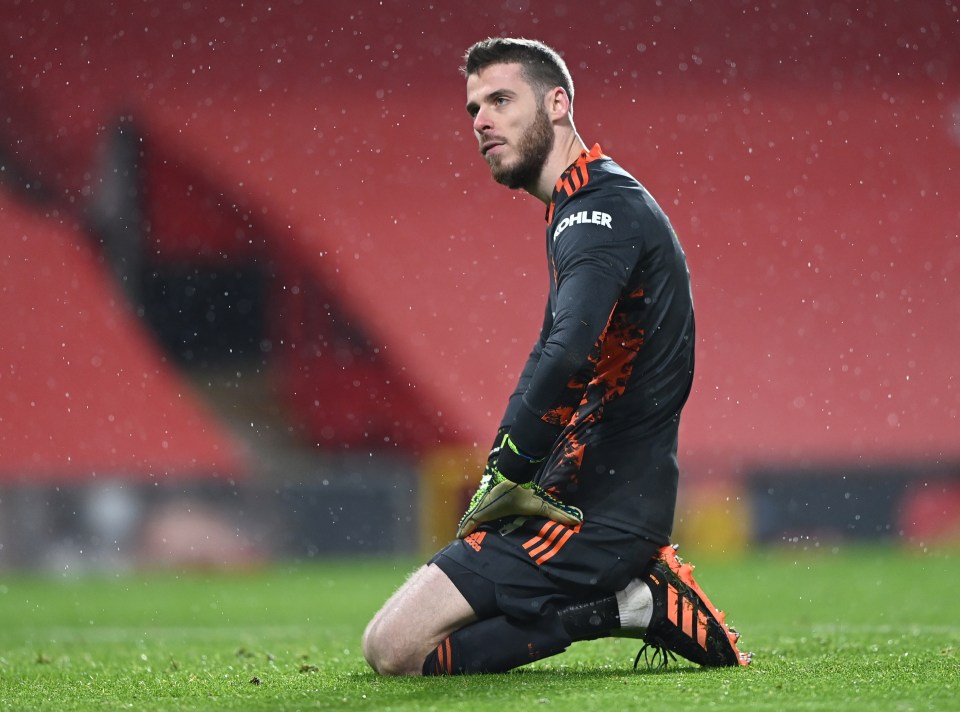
(526, 375)
(593, 258)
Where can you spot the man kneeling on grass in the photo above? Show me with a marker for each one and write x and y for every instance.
(567, 537)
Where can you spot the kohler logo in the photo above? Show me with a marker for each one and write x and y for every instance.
(584, 217)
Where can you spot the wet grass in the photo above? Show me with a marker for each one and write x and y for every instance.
(843, 629)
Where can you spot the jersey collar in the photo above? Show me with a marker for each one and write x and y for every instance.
(573, 178)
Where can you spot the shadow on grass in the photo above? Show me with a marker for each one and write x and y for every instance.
(540, 675)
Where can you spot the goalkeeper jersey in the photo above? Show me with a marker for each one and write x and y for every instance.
(602, 390)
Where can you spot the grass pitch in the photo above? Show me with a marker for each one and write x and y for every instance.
(842, 629)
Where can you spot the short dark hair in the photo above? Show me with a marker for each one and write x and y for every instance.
(541, 66)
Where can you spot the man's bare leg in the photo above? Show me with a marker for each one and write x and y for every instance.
(423, 612)
(427, 627)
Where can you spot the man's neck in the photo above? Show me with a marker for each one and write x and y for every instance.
(566, 150)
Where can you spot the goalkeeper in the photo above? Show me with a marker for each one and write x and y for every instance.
(568, 535)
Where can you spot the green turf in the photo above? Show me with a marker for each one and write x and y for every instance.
(847, 629)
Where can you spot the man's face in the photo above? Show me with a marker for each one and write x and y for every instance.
(511, 125)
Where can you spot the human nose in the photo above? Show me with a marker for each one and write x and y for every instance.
(481, 123)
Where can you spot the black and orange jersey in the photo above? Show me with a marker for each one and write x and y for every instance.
(602, 390)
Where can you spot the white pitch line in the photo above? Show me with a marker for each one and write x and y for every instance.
(118, 634)
(887, 629)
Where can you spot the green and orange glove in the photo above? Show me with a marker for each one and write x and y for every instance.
(499, 496)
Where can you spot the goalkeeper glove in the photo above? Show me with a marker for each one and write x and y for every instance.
(499, 497)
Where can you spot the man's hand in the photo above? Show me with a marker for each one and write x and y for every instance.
(499, 497)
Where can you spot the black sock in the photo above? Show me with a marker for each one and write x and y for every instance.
(497, 645)
(589, 621)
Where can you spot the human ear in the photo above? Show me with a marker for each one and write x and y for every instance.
(557, 102)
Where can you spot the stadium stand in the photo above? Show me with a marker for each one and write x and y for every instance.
(84, 388)
(808, 158)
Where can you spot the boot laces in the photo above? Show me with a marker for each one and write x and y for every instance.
(655, 654)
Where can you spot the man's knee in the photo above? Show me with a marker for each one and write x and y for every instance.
(386, 654)
(424, 611)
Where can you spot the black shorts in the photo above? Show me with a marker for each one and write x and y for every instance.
(523, 566)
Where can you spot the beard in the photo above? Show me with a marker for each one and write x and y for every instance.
(532, 150)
